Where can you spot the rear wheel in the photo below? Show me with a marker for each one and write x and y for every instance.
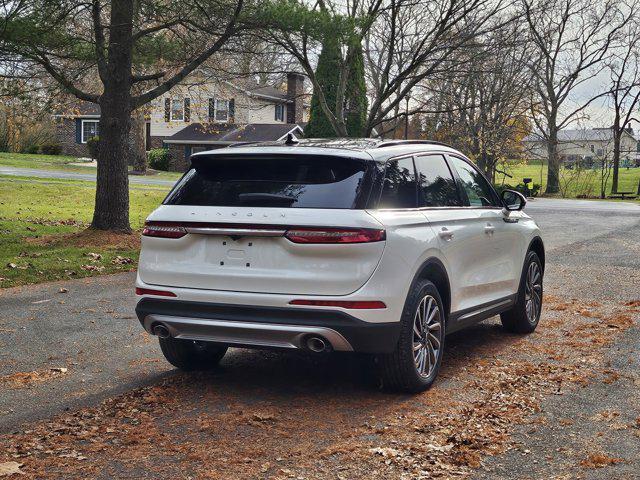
(415, 363)
(525, 315)
(191, 354)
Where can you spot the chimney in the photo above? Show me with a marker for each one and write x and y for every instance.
(295, 91)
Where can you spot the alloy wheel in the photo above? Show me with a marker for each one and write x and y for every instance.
(533, 293)
(427, 336)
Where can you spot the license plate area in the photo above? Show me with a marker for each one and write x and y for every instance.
(232, 252)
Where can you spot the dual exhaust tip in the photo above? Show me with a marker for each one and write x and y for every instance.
(161, 331)
(312, 343)
(317, 344)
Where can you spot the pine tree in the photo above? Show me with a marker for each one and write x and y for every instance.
(356, 94)
(328, 77)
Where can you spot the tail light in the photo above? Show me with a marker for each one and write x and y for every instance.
(149, 291)
(294, 234)
(163, 231)
(334, 235)
(354, 304)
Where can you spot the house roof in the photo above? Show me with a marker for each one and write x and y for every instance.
(269, 92)
(579, 135)
(226, 133)
(78, 108)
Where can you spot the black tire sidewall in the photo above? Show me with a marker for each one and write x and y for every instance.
(185, 355)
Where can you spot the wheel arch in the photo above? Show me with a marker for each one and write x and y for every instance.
(536, 245)
(434, 271)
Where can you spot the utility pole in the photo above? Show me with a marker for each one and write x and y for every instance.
(406, 119)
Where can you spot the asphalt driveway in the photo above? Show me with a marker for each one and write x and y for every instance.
(593, 254)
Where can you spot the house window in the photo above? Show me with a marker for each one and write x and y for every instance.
(593, 148)
(280, 113)
(222, 111)
(177, 110)
(89, 130)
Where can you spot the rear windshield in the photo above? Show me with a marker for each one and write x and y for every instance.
(285, 182)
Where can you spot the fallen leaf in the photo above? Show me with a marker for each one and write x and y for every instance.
(10, 468)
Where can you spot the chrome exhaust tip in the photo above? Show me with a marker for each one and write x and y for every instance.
(161, 331)
(317, 344)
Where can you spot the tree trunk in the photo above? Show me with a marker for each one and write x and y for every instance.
(112, 185)
(137, 143)
(553, 173)
(616, 160)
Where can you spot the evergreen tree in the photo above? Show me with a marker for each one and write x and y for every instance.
(356, 94)
(328, 77)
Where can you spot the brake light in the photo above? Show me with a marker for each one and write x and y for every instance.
(149, 291)
(164, 231)
(335, 235)
(355, 305)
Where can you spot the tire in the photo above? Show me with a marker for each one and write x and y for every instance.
(190, 355)
(401, 370)
(525, 315)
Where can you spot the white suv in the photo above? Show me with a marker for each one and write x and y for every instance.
(369, 246)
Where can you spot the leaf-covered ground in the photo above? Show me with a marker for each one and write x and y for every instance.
(268, 415)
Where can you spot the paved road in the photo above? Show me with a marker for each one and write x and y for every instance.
(91, 177)
(593, 252)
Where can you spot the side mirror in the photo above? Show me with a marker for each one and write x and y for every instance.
(513, 200)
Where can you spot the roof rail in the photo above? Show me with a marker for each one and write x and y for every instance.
(392, 143)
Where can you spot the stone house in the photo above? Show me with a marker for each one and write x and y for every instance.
(200, 114)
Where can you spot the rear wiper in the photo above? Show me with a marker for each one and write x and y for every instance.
(267, 198)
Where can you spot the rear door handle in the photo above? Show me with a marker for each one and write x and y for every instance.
(489, 229)
(445, 234)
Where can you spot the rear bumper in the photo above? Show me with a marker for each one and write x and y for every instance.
(262, 326)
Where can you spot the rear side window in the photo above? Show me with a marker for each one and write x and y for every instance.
(268, 181)
(474, 184)
(436, 186)
(400, 188)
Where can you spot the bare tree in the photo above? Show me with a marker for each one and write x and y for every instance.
(624, 73)
(413, 41)
(404, 43)
(482, 106)
(572, 39)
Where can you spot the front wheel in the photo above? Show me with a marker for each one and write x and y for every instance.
(414, 364)
(191, 354)
(525, 314)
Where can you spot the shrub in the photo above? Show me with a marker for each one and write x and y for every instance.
(30, 136)
(30, 149)
(50, 149)
(159, 159)
(93, 145)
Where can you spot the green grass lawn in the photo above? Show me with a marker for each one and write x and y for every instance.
(59, 162)
(42, 225)
(588, 183)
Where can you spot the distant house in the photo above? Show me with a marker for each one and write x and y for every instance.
(587, 147)
(202, 114)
